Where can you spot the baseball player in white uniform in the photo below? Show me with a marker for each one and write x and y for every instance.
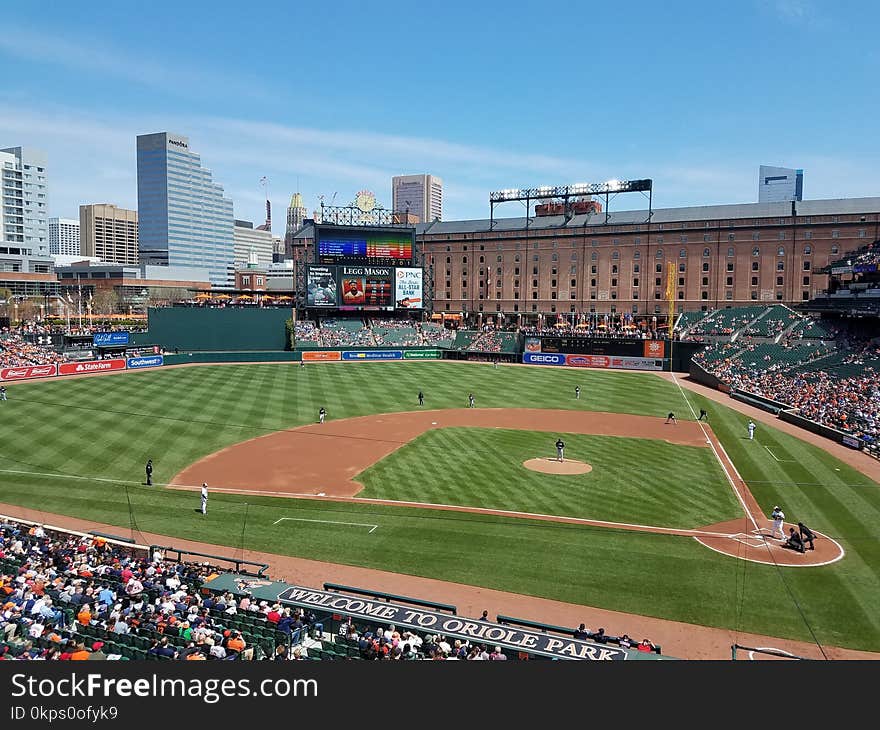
(778, 517)
(204, 498)
(751, 428)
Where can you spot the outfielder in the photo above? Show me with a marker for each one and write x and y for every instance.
(751, 428)
(204, 498)
(321, 415)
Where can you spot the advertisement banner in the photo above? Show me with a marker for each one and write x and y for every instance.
(422, 354)
(373, 355)
(151, 361)
(654, 348)
(92, 366)
(321, 355)
(543, 358)
(612, 362)
(533, 344)
(103, 339)
(409, 288)
(852, 442)
(321, 288)
(29, 371)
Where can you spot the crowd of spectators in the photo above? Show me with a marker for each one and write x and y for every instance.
(841, 390)
(68, 596)
(16, 351)
(60, 590)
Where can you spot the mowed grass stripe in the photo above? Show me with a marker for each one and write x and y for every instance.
(633, 480)
(672, 578)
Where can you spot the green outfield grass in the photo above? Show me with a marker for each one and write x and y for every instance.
(106, 427)
(636, 481)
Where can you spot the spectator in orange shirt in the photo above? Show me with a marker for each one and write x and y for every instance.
(84, 617)
(80, 653)
(235, 642)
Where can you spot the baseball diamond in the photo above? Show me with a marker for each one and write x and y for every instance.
(658, 519)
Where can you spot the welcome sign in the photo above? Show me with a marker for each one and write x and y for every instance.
(510, 637)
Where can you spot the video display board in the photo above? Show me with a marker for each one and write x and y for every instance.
(321, 288)
(349, 287)
(362, 245)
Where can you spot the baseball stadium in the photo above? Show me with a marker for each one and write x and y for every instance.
(431, 514)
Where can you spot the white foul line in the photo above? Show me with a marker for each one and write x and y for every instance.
(327, 522)
(715, 451)
(781, 461)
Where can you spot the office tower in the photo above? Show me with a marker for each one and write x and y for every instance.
(24, 199)
(252, 241)
(183, 217)
(296, 214)
(419, 195)
(109, 233)
(780, 184)
(63, 237)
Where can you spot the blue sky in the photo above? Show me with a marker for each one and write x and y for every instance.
(334, 98)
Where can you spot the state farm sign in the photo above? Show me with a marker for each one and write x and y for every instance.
(92, 366)
(31, 371)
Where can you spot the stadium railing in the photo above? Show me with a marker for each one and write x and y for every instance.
(388, 597)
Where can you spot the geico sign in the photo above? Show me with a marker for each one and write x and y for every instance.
(545, 359)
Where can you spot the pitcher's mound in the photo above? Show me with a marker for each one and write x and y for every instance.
(549, 465)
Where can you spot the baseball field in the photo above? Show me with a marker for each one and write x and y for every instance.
(443, 492)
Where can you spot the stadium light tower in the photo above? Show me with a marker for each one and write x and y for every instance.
(546, 192)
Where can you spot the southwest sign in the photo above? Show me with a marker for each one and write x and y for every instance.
(533, 642)
(31, 371)
(92, 366)
(150, 361)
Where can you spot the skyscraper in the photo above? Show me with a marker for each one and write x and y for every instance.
(296, 214)
(420, 195)
(780, 184)
(24, 199)
(63, 237)
(184, 219)
(109, 233)
(252, 241)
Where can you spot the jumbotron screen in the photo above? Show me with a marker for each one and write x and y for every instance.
(366, 246)
(350, 287)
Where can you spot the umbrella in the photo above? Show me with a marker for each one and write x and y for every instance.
(245, 296)
(284, 298)
(202, 295)
(222, 296)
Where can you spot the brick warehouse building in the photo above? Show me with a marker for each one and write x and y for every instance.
(724, 255)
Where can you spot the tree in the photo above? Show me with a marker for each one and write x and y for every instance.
(105, 301)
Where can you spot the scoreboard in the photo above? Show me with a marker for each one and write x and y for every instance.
(389, 246)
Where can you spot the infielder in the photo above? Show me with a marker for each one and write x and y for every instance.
(751, 428)
(204, 498)
(560, 449)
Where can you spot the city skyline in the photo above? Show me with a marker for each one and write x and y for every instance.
(493, 132)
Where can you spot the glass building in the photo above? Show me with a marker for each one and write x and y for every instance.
(183, 218)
